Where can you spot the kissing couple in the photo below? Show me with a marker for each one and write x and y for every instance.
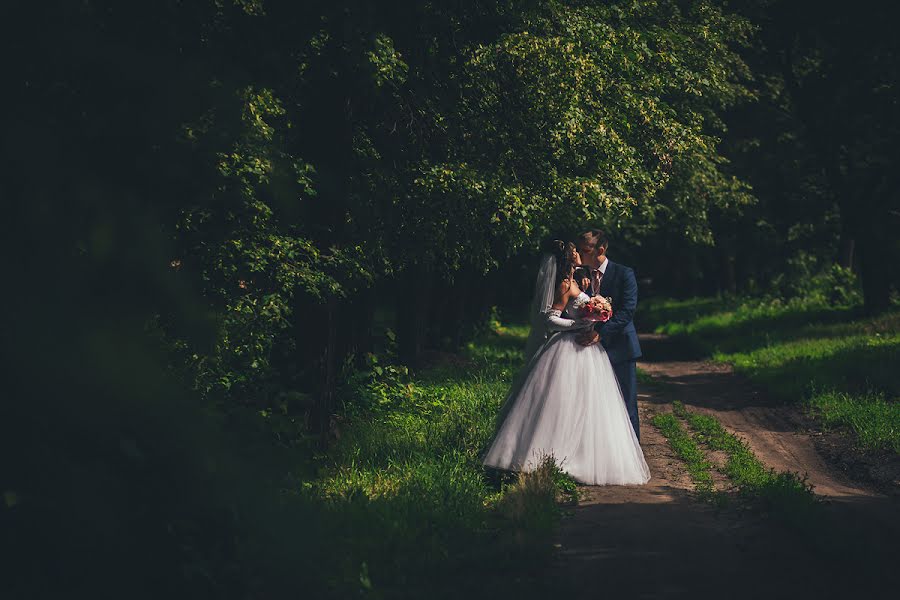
(576, 399)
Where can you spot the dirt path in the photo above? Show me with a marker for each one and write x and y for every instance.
(660, 541)
(773, 432)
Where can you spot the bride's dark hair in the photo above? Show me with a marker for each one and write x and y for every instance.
(562, 251)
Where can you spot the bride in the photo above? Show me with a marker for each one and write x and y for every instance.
(567, 402)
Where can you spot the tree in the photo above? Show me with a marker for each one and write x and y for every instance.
(292, 158)
(836, 77)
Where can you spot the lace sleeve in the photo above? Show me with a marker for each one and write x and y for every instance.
(555, 322)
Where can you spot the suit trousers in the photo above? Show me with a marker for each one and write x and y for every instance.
(626, 373)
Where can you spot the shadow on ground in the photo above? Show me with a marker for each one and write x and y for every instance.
(704, 384)
(673, 547)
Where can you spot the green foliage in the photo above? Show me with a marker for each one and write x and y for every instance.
(813, 144)
(546, 107)
(804, 279)
(251, 259)
(306, 154)
(389, 66)
(365, 146)
(381, 386)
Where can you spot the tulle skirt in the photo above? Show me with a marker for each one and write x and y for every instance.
(569, 405)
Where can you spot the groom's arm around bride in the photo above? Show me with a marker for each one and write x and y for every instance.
(619, 335)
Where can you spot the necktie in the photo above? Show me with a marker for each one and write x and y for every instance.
(596, 278)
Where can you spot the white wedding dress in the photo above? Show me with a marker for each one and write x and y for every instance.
(569, 405)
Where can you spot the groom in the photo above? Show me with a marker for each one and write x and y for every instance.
(617, 335)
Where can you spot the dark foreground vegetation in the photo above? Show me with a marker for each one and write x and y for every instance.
(399, 506)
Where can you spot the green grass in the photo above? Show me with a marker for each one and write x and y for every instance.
(787, 494)
(874, 420)
(832, 359)
(657, 313)
(406, 489)
(687, 450)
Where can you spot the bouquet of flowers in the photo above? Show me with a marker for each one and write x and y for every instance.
(598, 309)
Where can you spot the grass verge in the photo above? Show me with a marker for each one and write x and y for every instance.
(407, 494)
(831, 359)
(871, 417)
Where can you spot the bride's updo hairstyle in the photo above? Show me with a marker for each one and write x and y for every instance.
(562, 251)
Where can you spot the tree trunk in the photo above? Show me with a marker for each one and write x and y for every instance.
(728, 273)
(326, 397)
(875, 277)
(846, 251)
(873, 232)
(355, 335)
(452, 322)
(412, 318)
(364, 331)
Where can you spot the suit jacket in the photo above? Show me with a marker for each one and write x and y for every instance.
(619, 336)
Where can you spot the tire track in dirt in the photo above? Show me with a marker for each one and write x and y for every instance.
(773, 432)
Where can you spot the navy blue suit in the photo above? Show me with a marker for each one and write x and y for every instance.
(619, 336)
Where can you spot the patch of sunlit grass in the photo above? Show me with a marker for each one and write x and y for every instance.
(405, 477)
(874, 420)
(686, 449)
(840, 364)
(786, 494)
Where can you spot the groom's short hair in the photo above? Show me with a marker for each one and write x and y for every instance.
(595, 237)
